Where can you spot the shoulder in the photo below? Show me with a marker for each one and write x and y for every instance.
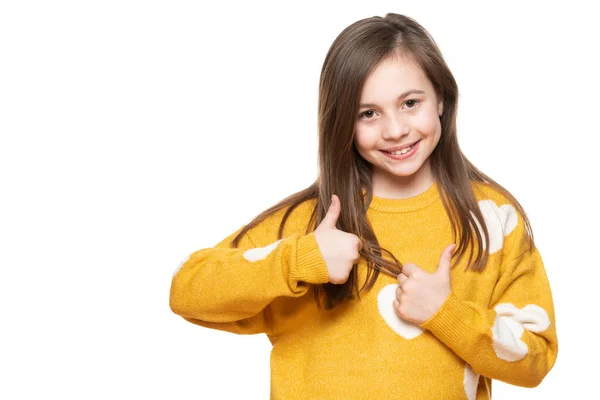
(504, 221)
(487, 191)
(493, 199)
(267, 230)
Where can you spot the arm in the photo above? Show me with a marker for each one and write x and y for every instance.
(514, 340)
(230, 289)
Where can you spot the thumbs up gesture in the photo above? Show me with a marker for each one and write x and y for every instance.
(420, 294)
(340, 250)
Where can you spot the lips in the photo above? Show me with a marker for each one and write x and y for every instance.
(398, 148)
(402, 156)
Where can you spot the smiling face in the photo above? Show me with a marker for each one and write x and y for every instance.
(398, 108)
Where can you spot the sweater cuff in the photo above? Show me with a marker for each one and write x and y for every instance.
(452, 323)
(310, 266)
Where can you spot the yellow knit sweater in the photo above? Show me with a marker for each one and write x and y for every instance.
(496, 324)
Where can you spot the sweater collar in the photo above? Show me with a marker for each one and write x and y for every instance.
(421, 200)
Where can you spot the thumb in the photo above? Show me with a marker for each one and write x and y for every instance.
(445, 260)
(333, 213)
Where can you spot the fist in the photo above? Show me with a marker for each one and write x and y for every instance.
(420, 294)
(340, 250)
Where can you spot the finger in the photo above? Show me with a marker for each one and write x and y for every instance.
(333, 213)
(402, 279)
(409, 269)
(360, 244)
(445, 260)
(398, 292)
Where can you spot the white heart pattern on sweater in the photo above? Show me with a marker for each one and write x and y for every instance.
(509, 325)
(385, 303)
(260, 253)
(500, 222)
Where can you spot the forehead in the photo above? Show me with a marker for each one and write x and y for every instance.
(393, 76)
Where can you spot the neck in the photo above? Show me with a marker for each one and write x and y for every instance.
(401, 187)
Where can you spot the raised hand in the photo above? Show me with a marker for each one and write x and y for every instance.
(340, 250)
(420, 294)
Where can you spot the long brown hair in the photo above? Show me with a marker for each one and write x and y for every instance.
(354, 54)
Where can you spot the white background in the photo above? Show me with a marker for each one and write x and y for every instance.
(135, 132)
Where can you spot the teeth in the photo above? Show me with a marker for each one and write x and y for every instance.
(403, 151)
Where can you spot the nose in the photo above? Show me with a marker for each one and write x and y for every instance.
(395, 127)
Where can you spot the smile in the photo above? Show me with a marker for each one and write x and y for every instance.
(404, 153)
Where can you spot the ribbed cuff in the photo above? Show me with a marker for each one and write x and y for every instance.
(310, 266)
(453, 323)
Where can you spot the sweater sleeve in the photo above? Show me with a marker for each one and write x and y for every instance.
(514, 339)
(231, 289)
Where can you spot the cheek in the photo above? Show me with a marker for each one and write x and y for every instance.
(362, 138)
(428, 123)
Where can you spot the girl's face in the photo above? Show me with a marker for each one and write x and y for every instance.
(398, 108)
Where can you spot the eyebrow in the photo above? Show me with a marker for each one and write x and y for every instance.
(403, 95)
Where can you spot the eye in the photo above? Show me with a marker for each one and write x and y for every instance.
(412, 103)
(369, 114)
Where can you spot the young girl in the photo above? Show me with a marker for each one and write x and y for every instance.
(361, 281)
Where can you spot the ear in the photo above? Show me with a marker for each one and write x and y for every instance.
(440, 108)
